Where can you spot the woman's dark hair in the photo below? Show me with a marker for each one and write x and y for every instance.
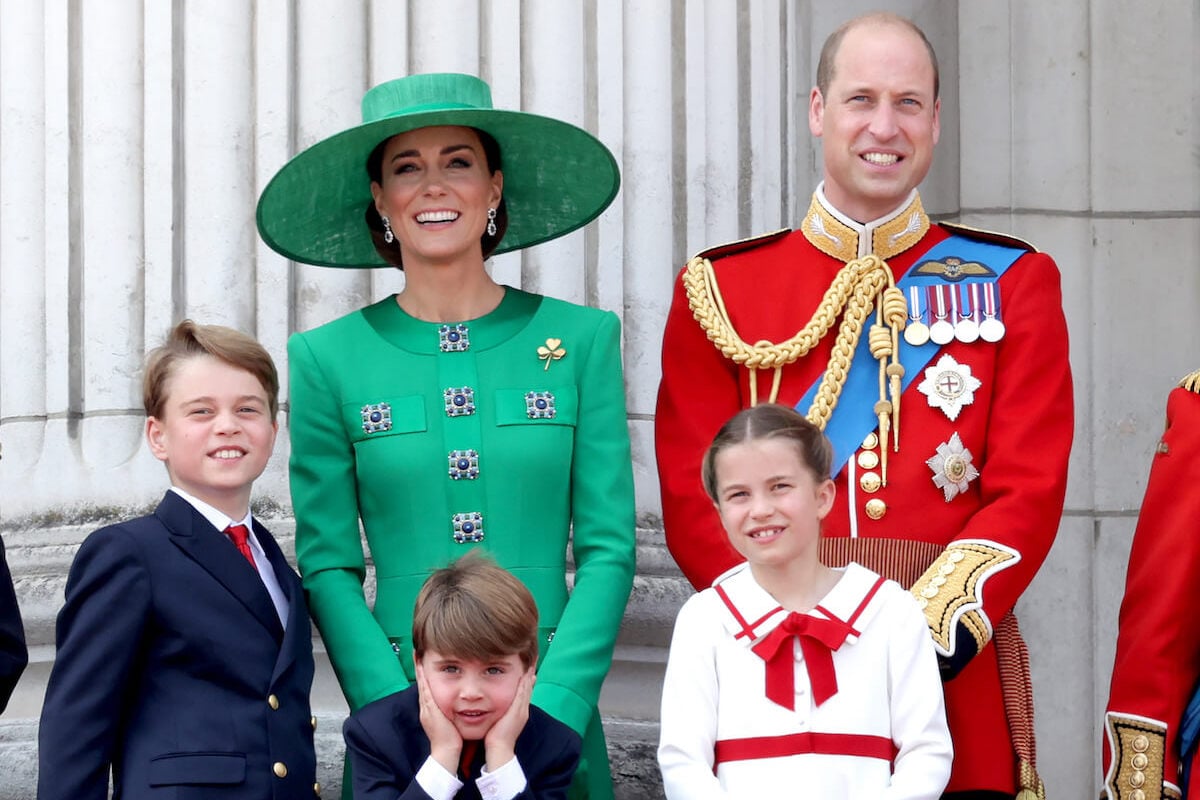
(769, 421)
(391, 252)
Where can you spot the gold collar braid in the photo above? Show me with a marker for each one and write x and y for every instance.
(862, 285)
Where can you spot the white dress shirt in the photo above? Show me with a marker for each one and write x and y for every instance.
(220, 521)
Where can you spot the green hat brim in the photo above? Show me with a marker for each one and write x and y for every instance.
(557, 178)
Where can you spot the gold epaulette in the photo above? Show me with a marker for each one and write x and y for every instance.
(992, 237)
(729, 248)
(1191, 382)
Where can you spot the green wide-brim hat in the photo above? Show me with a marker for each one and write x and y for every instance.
(557, 177)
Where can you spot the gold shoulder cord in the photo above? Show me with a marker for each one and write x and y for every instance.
(853, 294)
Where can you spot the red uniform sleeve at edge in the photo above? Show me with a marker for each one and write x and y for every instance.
(1158, 649)
(698, 393)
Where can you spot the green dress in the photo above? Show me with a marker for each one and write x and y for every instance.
(506, 432)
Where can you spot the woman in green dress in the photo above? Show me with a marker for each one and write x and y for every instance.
(458, 413)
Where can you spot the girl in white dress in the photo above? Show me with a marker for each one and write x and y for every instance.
(787, 676)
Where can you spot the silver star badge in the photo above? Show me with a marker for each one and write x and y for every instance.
(949, 386)
(952, 468)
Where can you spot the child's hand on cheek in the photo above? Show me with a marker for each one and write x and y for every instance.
(500, 742)
(445, 743)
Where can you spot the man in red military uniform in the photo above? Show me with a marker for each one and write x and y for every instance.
(1158, 646)
(936, 360)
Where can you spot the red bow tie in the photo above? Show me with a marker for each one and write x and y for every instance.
(819, 637)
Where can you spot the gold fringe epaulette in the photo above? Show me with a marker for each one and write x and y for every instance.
(729, 248)
(1191, 382)
(992, 237)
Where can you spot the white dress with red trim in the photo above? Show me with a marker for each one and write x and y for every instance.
(867, 717)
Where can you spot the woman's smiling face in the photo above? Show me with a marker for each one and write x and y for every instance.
(436, 190)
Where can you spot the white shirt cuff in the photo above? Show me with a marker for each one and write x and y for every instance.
(437, 782)
(503, 784)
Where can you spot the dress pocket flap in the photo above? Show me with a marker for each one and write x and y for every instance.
(380, 417)
(197, 768)
(555, 405)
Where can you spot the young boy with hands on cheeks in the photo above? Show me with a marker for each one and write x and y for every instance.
(466, 729)
(786, 672)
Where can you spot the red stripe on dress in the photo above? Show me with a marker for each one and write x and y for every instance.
(863, 605)
(858, 611)
(747, 627)
(737, 615)
(798, 744)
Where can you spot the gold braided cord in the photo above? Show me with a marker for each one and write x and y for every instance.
(838, 368)
(708, 307)
(893, 311)
(852, 296)
(1030, 782)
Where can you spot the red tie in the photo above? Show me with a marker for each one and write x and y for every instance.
(819, 637)
(240, 535)
(470, 748)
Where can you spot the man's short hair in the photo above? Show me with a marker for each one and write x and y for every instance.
(829, 51)
(188, 340)
(474, 609)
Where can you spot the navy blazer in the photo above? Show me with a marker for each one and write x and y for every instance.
(174, 671)
(13, 653)
(386, 746)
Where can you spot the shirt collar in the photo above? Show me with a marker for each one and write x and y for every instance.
(218, 519)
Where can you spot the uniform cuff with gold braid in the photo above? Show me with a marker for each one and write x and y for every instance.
(951, 595)
(1136, 769)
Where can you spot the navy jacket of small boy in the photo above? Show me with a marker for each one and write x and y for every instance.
(387, 746)
(174, 669)
(13, 654)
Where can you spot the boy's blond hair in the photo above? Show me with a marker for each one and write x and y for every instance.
(188, 340)
(475, 609)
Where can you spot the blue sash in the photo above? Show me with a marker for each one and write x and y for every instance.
(854, 416)
(1189, 733)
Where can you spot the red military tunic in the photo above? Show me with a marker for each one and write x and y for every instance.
(1158, 645)
(978, 550)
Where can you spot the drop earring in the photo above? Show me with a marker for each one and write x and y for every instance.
(491, 226)
(388, 236)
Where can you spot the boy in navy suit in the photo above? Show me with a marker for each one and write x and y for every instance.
(184, 648)
(466, 729)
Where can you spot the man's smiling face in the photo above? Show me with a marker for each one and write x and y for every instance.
(878, 120)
